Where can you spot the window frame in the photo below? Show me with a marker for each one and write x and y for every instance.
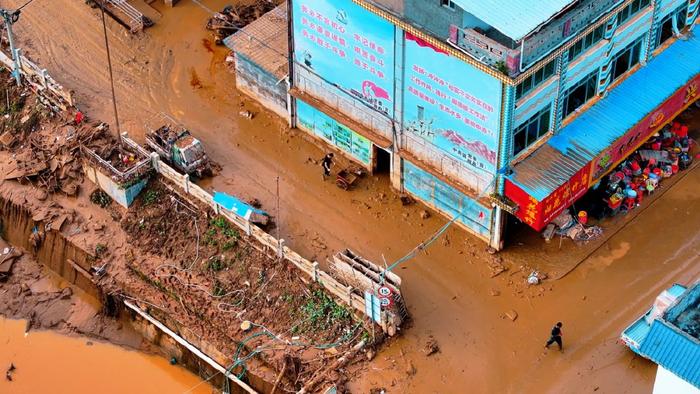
(631, 10)
(534, 80)
(581, 46)
(535, 122)
(449, 4)
(590, 81)
(635, 46)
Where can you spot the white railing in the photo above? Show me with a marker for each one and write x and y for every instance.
(40, 81)
(135, 16)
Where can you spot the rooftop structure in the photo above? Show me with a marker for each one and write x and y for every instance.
(669, 335)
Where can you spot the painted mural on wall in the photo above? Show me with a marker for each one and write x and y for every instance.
(446, 199)
(347, 46)
(451, 104)
(335, 133)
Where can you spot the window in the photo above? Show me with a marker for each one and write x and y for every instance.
(448, 3)
(626, 59)
(534, 80)
(586, 42)
(666, 30)
(579, 94)
(631, 9)
(532, 130)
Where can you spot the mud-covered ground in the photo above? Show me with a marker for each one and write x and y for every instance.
(449, 289)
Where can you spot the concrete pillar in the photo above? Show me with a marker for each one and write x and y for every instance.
(396, 175)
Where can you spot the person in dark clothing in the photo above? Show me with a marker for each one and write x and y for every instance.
(326, 163)
(555, 337)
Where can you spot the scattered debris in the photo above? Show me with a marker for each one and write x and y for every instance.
(9, 371)
(431, 346)
(533, 278)
(406, 199)
(247, 114)
(7, 260)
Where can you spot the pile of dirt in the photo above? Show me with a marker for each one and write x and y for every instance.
(43, 148)
(218, 273)
(31, 292)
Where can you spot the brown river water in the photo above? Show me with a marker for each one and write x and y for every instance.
(47, 362)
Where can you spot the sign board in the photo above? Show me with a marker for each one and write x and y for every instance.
(335, 133)
(451, 104)
(347, 46)
(373, 307)
(538, 214)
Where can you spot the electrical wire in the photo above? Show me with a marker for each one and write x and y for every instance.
(24, 5)
(426, 243)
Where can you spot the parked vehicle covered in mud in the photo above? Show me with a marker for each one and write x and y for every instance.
(177, 146)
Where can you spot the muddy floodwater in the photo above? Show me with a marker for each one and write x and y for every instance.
(47, 362)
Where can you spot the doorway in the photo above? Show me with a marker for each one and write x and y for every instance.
(382, 163)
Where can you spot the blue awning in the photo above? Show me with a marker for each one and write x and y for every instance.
(555, 162)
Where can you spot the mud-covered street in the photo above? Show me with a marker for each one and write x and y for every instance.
(453, 297)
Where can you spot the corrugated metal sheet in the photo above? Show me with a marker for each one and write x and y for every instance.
(639, 330)
(606, 121)
(674, 350)
(265, 42)
(514, 18)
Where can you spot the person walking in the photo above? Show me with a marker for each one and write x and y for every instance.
(326, 163)
(556, 337)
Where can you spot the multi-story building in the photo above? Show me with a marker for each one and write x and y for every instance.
(481, 107)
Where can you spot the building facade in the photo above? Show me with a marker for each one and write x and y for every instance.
(482, 110)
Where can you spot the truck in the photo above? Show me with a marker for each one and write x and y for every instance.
(176, 145)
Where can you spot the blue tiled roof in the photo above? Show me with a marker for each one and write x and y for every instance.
(514, 18)
(674, 350)
(597, 128)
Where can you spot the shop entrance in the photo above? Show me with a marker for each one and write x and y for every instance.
(382, 162)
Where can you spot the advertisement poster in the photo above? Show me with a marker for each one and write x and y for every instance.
(451, 104)
(335, 133)
(348, 47)
(447, 199)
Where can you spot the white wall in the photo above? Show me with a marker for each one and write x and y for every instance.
(668, 383)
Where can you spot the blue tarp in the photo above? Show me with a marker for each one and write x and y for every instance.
(609, 119)
(235, 205)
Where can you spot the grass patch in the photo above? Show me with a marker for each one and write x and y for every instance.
(150, 197)
(321, 312)
(98, 197)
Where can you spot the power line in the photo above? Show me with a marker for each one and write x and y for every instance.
(24, 5)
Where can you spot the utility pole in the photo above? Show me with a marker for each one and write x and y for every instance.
(10, 17)
(111, 75)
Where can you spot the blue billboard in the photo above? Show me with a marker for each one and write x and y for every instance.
(447, 199)
(337, 134)
(348, 47)
(451, 104)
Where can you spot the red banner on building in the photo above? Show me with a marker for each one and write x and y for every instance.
(643, 130)
(538, 213)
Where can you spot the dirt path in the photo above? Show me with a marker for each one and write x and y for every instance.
(449, 289)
